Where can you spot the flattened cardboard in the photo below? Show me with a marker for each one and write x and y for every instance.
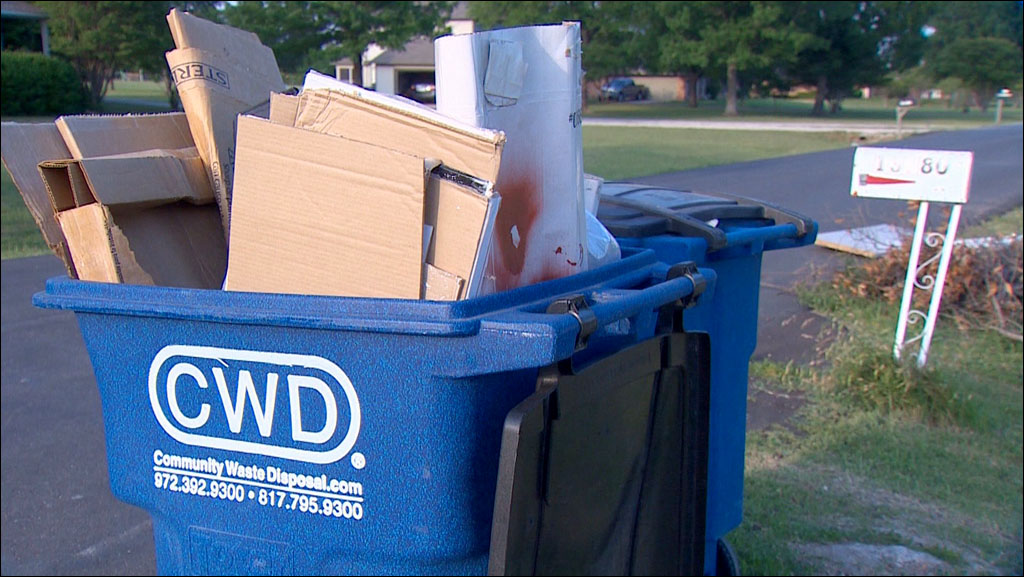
(309, 219)
(462, 216)
(220, 72)
(88, 231)
(106, 135)
(189, 30)
(178, 244)
(460, 208)
(23, 147)
(335, 107)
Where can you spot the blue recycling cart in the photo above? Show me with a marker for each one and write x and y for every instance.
(559, 427)
(728, 234)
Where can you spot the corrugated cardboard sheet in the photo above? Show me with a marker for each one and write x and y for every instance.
(24, 146)
(220, 72)
(362, 236)
(461, 203)
(311, 217)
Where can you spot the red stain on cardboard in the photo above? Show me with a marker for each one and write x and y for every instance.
(520, 205)
(578, 260)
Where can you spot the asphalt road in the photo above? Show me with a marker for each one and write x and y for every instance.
(58, 515)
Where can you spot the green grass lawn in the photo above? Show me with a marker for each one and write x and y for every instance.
(146, 90)
(21, 236)
(127, 96)
(882, 455)
(616, 152)
(840, 473)
(799, 110)
(1005, 224)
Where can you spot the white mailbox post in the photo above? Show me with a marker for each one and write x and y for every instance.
(1001, 97)
(926, 176)
(902, 108)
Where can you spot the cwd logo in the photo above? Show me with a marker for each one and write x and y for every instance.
(297, 407)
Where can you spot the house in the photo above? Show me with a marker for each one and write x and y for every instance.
(409, 71)
(18, 21)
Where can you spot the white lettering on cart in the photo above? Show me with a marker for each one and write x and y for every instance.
(194, 426)
(271, 487)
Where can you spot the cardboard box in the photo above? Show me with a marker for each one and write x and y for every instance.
(319, 214)
(178, 244)
(461, 210)
(131, 215)
(220, 72)
(526, 82)
(144, 178)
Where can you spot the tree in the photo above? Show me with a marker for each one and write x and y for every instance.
(348, 28)
(676, 28)
(951, 21)
(611, 32)
(899, 29)
(102, 38)
(849, 40)
(983, 64)
(286, 27)
(981, 41)
(743, 36)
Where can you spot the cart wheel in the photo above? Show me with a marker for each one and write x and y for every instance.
(727, 563)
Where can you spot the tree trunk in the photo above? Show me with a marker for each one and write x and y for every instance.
(172, 91)
(96, 80)
(731, 88)
(690, 81)
(819, 96)
(357, 69)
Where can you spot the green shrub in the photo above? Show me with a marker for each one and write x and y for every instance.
(34, 84)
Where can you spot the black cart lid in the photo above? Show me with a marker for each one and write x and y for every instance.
(633, 210)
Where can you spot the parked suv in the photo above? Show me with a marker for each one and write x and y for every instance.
(620, 89)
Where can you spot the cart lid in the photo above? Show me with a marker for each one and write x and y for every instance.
(637, 210)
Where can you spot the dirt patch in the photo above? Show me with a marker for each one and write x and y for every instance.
(861, 559)
(767, 406)
(922, 526)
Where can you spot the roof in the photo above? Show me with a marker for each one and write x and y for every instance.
(418, 52)
(22, 10)
(461, 11)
